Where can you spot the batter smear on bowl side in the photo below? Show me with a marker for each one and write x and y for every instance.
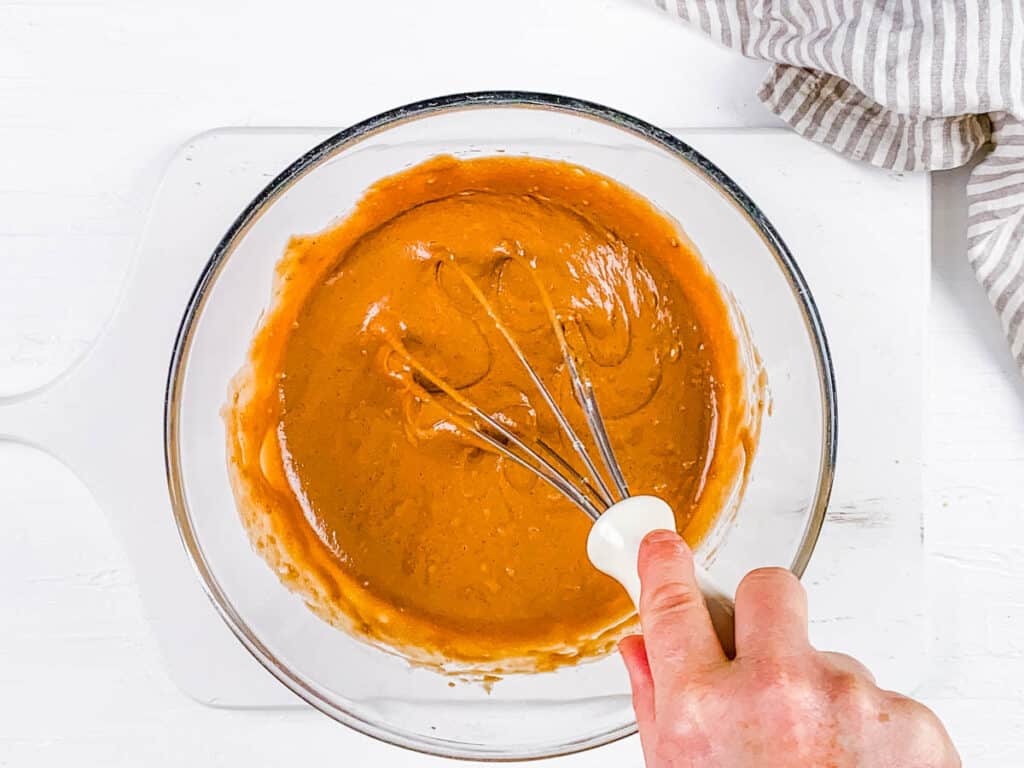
(370, 499)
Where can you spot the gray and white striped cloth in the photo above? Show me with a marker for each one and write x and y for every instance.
(911, 85)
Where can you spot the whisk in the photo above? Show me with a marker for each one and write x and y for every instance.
(620, 520)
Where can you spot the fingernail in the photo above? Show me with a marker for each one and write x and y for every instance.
(662, 536)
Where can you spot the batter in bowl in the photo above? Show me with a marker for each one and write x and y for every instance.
(369, 499)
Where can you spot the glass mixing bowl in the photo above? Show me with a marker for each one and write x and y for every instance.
(524, 716)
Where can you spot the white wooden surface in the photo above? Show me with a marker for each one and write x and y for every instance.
(94, 98)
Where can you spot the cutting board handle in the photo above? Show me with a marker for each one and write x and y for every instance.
(71, 416)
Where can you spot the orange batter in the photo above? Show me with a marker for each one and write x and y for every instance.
(370, 499)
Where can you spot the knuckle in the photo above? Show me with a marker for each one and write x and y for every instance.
(928, 732)
(785, 698)
(924, 731)
(772, 676)
(856, 697)
(671, 599)
(682, 729)
(785, 685)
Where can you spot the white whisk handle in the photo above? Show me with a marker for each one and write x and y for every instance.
(613, 547)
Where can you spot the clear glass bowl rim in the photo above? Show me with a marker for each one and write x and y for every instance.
(308, 690)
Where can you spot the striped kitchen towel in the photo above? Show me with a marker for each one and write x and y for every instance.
(911, 85)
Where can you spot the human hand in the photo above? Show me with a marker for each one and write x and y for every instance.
(780, 702)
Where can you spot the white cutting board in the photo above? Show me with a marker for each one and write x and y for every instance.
(861, 235)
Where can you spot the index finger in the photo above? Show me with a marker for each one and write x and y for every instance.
(678, 632)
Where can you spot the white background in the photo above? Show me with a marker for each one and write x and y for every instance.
(94, 99)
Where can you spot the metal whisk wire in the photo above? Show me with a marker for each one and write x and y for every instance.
(582, 388)
(591, 493)
(505, 437)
